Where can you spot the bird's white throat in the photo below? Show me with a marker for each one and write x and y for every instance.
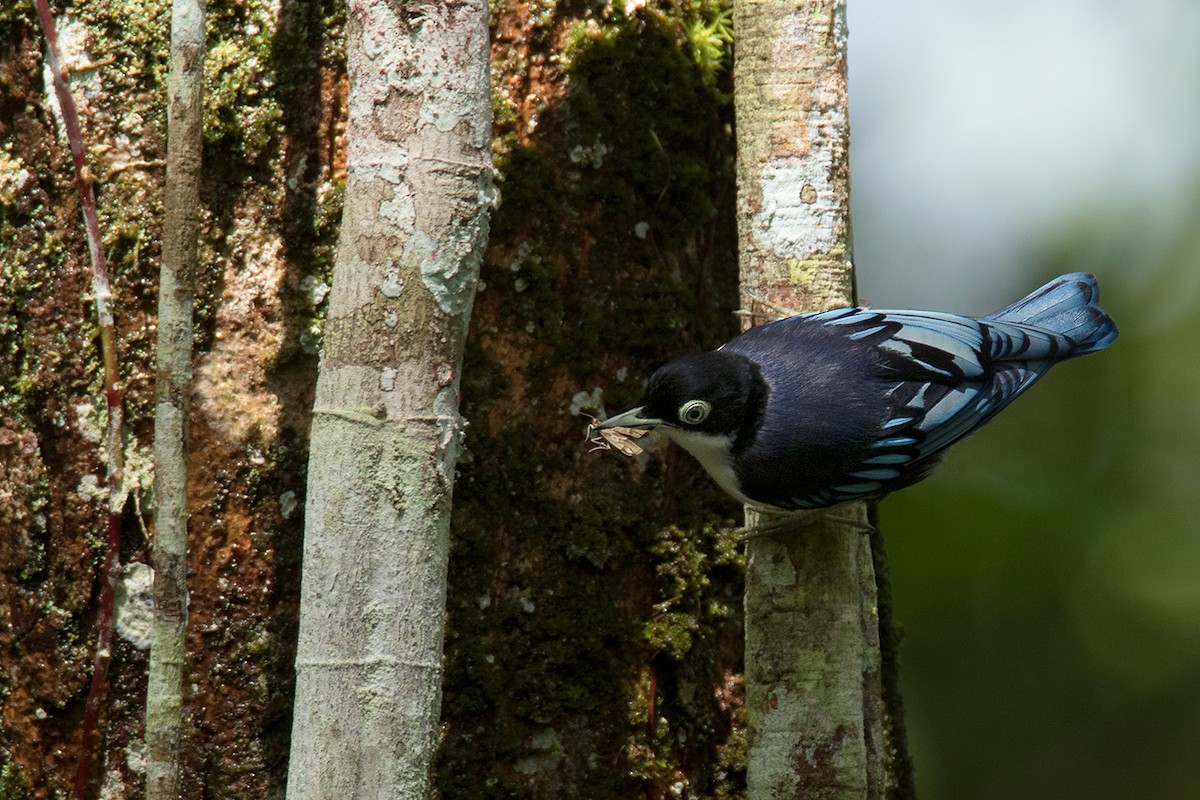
(714, 454)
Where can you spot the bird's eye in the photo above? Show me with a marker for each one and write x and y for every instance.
(693, 412)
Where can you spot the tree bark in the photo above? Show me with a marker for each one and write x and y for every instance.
(591, 644)
(386, 428)
(173, 388)
(117, 491)
(813, 693)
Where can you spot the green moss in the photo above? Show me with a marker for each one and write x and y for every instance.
(634, 142)
(34, 518)
(12, 782)
(131, 38)
(14, 16)
(238, 109)
(709, 28)
(731, 762)
(683, 608)
(611, 247)
(48, 349)
(802, 272)
(25, 271)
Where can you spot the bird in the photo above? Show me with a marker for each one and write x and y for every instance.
(818, 409)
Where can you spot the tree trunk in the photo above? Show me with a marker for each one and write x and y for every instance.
(386, 428)
(813, 691)
(595, 622)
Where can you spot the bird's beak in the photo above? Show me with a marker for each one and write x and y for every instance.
(630, 419)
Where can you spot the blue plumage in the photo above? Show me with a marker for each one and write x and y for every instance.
(817, 409)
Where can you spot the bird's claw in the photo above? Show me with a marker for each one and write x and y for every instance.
(755, 296)
(798, 520)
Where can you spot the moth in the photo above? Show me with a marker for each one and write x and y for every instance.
(619, 439)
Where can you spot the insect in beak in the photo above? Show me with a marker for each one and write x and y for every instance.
(617, 438)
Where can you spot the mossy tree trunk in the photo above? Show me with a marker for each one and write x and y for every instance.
(269, 201)
(386, 426)
(594, 614)
(813, 686)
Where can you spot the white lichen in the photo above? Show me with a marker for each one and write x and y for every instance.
(13, 177)
(787, 223)
(592, 154)
(449, 270)
(547, 751)
(387, 379)
(83, 76)
(392, 285)
(135, 757)
(591, 401)
(401, 210)
(89, 488)
(287, 504)
(133, 608)
(314, 290)
(90, 418)
(451, 431)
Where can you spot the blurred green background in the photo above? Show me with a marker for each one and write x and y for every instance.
(1047, 577)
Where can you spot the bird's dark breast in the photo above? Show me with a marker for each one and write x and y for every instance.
(825, 404)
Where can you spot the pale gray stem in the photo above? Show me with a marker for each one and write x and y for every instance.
(173, 388)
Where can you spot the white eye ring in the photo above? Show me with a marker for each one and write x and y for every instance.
(693, 412)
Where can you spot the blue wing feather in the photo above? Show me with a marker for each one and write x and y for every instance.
(942, 375)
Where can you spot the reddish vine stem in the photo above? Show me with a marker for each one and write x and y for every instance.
(112, 397)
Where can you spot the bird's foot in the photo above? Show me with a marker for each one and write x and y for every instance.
(780, 312)
(769, 524)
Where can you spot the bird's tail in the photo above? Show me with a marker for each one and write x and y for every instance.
(1068, 306)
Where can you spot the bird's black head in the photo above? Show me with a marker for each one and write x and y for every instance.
(712, 392)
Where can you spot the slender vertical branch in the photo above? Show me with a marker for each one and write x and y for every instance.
(112, 398)
(181, 228)
(813, 692)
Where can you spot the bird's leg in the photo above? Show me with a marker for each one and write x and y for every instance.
(771, 523)
(781, 312)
